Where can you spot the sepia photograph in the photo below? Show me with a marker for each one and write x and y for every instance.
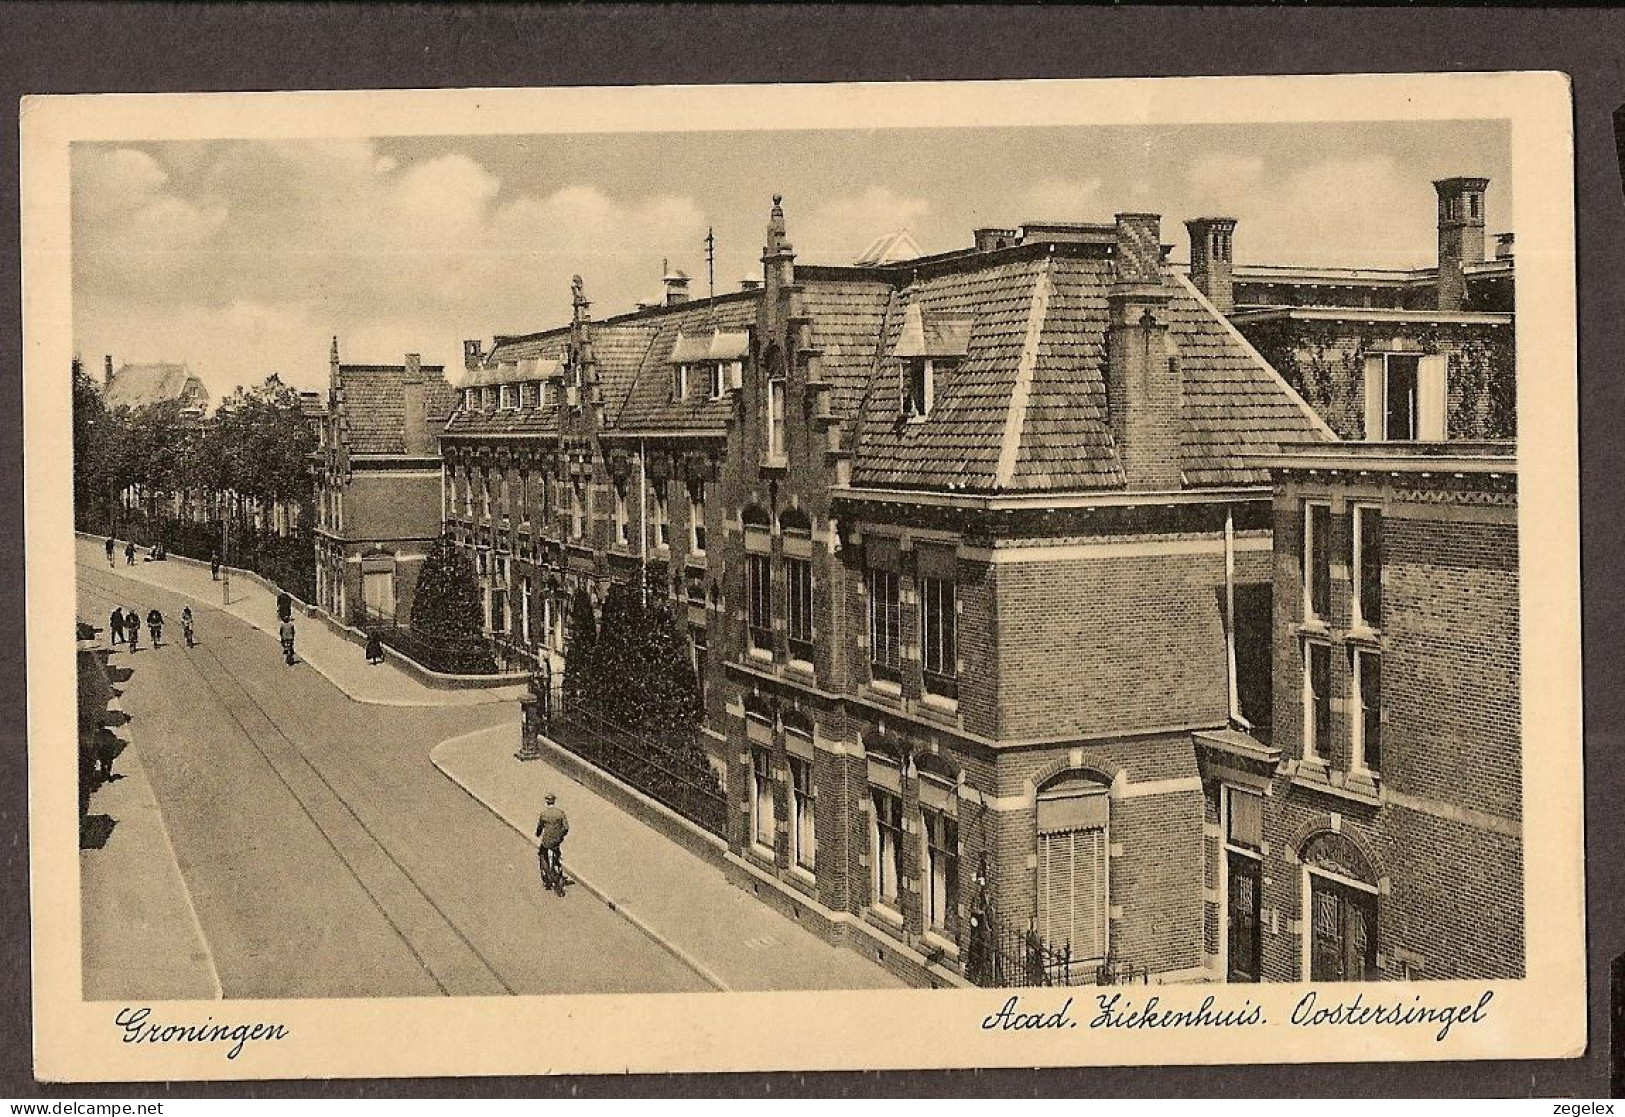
(1073, 563)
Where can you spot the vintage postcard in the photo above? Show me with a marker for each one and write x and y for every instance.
(804, 577)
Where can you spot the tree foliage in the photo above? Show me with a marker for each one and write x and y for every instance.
(582, 628)
(446, 621)
(637, 672)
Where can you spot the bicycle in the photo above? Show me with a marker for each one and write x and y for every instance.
(552, 866)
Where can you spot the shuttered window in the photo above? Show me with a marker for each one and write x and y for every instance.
(1072, 891)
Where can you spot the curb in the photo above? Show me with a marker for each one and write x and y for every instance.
(492, 697)
(614, 905)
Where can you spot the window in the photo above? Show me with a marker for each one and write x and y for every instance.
(919, 388)
(697, 646)
(938, 631)
(679, 382)
(485, 495)
(1317, 700)
(503, 496)
(1342, 931)
(1367, 567)
(720, 378)
(759, 601)
(488, 397)
(662, 526)
(471, 399)
(761, 797)
(775, 419)
(1073, 874)
(499, 609)
(885, 625)
(524, 610)
(468, 494)
(803, 828)
(623, 534)
(1399, 397)
(1243, 868)
(509, 397)
(941, 885)
(524, 496)
(1317, 562)
(577, 510)
(798, 606)
(696, 518)
(1367, 711)
(885, 846)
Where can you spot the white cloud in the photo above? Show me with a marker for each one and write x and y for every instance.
(838, 229)
(1225, 177)
(1056, 199)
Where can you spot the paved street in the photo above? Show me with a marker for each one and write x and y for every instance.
(322, 852)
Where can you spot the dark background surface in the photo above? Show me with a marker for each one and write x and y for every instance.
(88, 48)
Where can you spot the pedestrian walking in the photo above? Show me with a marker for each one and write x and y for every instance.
(115, 626)
(186, 626)
(132, 629)
(375, 649)
(110, 563)
(551, 827)
(214, 566)
(129, 553)
(155, 625)
(286, 632)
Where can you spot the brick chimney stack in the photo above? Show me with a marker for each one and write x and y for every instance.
(1144, 388)
(676, 284)
(414, 366)
(1461, 235)
(473, 354)
(1211, 262)
(415, 415)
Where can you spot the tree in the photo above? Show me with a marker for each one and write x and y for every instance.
(446, 611)
(95, 449)
(579, 657)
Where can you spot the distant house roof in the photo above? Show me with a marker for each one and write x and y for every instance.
(704, 330)
(890, 248)
(375, 406)
(137, 386)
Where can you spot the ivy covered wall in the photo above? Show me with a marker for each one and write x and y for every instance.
(1325, 362)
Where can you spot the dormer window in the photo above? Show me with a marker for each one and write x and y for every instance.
(1406, 397)
(679, 382)
(509, 398)
(928, 346)
(712, 361)
(471, 399)
(919, 387)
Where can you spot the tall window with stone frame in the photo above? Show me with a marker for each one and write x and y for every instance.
(775, 419)
(623, 532)
(1317, 700)
(759, 601)
(1366, 714)
(468, 493)
(485, 495)
(577, 509)
(939, 637)
(919, 387)
(885, 846)
(1317, 562)
(939, 890)
(762, 818)
(661, 522)
(696, 517)
(1367, 580)
(885, 625)
(803, 821)
(798, 608)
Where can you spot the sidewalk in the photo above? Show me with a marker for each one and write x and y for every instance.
(730, 938)
(342, 663)
(142, 940)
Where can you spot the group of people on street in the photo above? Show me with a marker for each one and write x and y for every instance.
(155, 553)
(124, 627)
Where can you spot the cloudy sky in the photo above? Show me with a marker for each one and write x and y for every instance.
(245, 257)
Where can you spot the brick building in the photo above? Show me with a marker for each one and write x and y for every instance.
(1377, 833)
(1424, 353)
(980, 554)
(377, 486)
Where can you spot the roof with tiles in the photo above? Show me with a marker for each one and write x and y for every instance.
(137, 386)
(1025, 410)
(648, 403)
(849, 317)
(375, 405)
(509, 361)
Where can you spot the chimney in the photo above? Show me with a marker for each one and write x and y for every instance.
(1144, 389)
(991, 240)
(107, 369)
(750, 283)
(1503, 246)
(676, 284)
(473, 355)
(1461, 235)
(414, 366)
(1210, 260)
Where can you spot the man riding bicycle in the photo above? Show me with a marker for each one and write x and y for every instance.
(186, 625)
(551, 827)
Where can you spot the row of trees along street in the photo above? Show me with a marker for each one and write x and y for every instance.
(158, 474)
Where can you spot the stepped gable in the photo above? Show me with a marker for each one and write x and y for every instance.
(375, 405)
(847, 316)
(649, 405)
